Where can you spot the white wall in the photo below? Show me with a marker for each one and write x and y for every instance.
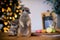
(36, 7)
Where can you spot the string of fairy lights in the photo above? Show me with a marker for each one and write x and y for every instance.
(9, 10)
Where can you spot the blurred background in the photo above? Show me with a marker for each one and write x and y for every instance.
(36, 8)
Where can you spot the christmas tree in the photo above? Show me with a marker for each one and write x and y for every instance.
(9, 11)
(56, 5)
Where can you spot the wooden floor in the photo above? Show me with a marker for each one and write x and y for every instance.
(4, 37)
(29, 38)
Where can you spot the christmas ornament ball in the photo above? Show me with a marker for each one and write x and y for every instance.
(43, 31)
(49, 30)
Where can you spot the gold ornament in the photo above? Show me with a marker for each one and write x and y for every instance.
(17, 11)
(13, 18)
(9, 9)
(10, 3)
(8, 26)
(5, 23)
(3, 9)
(43, 31)
(5, 29)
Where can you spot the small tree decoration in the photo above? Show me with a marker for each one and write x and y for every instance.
(56, 5)
(9, 11)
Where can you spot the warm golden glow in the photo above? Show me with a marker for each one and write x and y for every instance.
(5, 29)
(9, 9)
(20, 11)
(10, 3)
(5, 23)
(13, 19)
(10, 12)
(3, 9)
(15, 15)
(18, 7)
(17, 10)
(10, 17)
(8, 26)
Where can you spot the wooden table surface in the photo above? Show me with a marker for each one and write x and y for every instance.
(40, 37)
